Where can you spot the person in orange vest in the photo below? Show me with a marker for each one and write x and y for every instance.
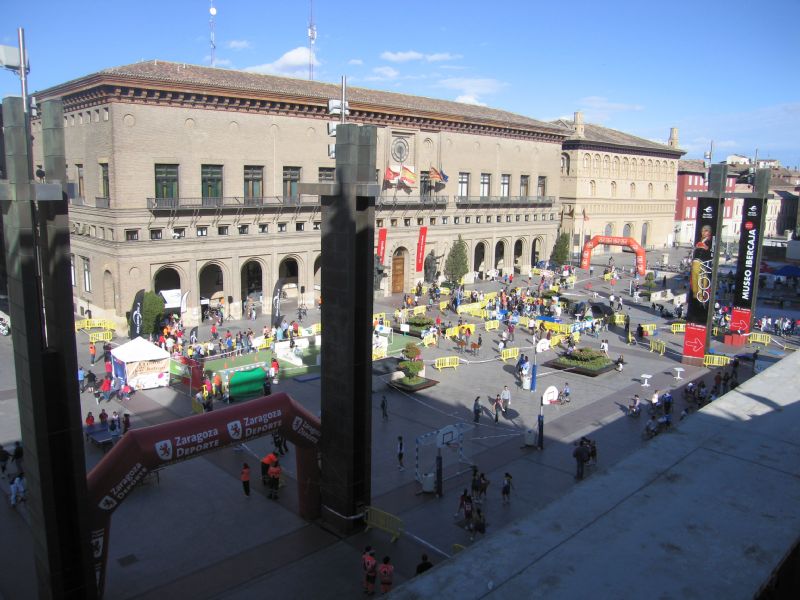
(266, 463)
(245, 477)
(217, 385)
(369, 565)
(386, 573)
(274, 473)
(92, 352)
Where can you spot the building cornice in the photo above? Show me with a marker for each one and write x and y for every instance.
(621, 149)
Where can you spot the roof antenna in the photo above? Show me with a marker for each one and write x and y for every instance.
(213, 12)
(312, 38)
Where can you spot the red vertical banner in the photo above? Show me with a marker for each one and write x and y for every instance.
(423, 233)
(740, 320)
(694, 342)
(382, 244)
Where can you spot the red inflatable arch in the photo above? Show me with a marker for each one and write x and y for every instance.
(140, 451)
(608, 240)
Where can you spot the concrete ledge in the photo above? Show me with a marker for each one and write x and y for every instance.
(708, 511)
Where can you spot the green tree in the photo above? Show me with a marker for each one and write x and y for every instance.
(456, 265)
(560, 253)
(152, 312)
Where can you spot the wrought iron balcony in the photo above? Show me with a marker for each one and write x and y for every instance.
(402, 200)
(232, 202)
(504, 200)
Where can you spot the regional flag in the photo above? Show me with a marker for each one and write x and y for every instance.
(435, 175)
(445, 178)
(390, 175)
(407, 175)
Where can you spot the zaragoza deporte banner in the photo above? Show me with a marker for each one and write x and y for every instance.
(702, 277)
(744, 295)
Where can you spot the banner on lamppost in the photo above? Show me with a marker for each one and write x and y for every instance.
(136, 315)
(750, 241)
(382, 243)
(701, 278)
(423, 233)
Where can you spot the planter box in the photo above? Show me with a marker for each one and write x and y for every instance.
(422, 385)
(554, 364)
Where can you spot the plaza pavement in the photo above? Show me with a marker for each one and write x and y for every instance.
(194, 534)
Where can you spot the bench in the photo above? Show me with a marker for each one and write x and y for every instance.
(446, 361)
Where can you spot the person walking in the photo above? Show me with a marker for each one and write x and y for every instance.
(478, 524)
(17, 489)
(498, 406)
(581, 454)
(386, 574)
(274, 473)
(369, 564)
(505, 396)
(245, 477)
(400, 452)
(476, 409)
(506, 488)
(81, 379)
(5, 456)
(384, 408)
(424, 565)
(92, 352)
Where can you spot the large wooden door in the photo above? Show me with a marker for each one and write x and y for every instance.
(398, 274)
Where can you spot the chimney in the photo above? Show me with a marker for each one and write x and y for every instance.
(673, 137)
(579, 131)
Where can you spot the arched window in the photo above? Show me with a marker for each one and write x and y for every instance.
(565, 164)
(587, 163)
(650, 190)
(634, 165)
(633, 190)
(649, 171)
(606, 166)
(666, 190)
(615, 167)
(626, 231)
(642, 168)
(592, 188)
(596, 169)
(613, 189)
(625, 169)
(658, 174)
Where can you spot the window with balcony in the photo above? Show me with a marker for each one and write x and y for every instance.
(166, 181)
(263, 228)
(156, 234)
(393, 222)
(81, 188)
(541, 186)
(327, 175)
(463, 184)
(420, 221)
(222, 230)
(524, 185)
(87, 274)
(104, 184)
(486, 185)
(291, 179)
(244, 229)
(467, 219)
(505, 185)
(456, 220)
(131, 235)
(299, 226)
(178, 233)
(253, 181)
(211, 181)
(432, 221)
(281, 227)
(425, 187)
(202, 231)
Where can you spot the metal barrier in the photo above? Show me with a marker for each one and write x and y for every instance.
(384, 521)
(631, 339)
(378, 317)
(524, 321)
(316, 328)
(760, 338)
(556, 340)
(492, 325)
(678, 327)
(446, 361)
(419, 310)
(94, 324)
(429, 340)
(658, 346)
(509, 353)
(378, 353)
(444, 291)
(618, 319)
(101, 336)
(489, 296)
(266, 343)
(649, 327)
(443, 305)
(468, 308)
(716, 360)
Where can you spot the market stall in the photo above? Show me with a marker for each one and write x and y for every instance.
(141, 364)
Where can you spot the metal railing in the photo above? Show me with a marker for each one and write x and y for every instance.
(404, 200)
(505, 200)
(231, 202)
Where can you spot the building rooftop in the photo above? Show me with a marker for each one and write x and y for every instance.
(603, 135)
(691, 166)
(193, 78)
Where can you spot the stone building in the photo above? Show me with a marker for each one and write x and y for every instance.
(186, 178)
(614, 183)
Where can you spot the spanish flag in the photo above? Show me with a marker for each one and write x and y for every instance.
(435, 175)
(390, 175)
(408, 176)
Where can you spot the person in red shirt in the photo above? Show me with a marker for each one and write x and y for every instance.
(274, 473)
(245, 477)
(274, 368)
(103, 417)
(386, 573)
(369, 565)
(105, 389)
(89, 419)
(213, 331)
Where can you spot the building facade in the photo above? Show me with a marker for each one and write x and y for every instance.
(617, 184)
(693, 177)
(186, 178)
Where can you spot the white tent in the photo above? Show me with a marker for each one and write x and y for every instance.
(142, 364)
(172, 298)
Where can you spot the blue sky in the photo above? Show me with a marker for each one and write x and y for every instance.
(722, 71)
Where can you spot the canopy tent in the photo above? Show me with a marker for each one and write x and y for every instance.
(172, 298)
(141, 364)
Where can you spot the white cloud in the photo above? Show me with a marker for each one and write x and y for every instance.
(440, 56)
(385, 73)
(598, 109)
(239, 45)
(223, 62)
(293, 63)
(355, 61)
(402, 56)
(472, 88)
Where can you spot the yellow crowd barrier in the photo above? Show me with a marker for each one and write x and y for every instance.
(419, 310)
(197, 406)
(452, 332)
(631, 339)
(468, 308)
(715, 330)
(760, 338)
(444, 291)
(524, 321)
(657, 346)
(94, 324)
(489, 296)
(509, 353)
(716, 360)
(378, 317)
(536, 271)
(556, 340)
(446, 361)
(618, 319)
(607, 277)
(557, 327)
(649, 327)
(429, 340)
(443, 305)
(384, 521)
(492, 325)
(101, 336)
(572, 279)
(378, 353)
(316, 328)
(555, 288)
(678, 327)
